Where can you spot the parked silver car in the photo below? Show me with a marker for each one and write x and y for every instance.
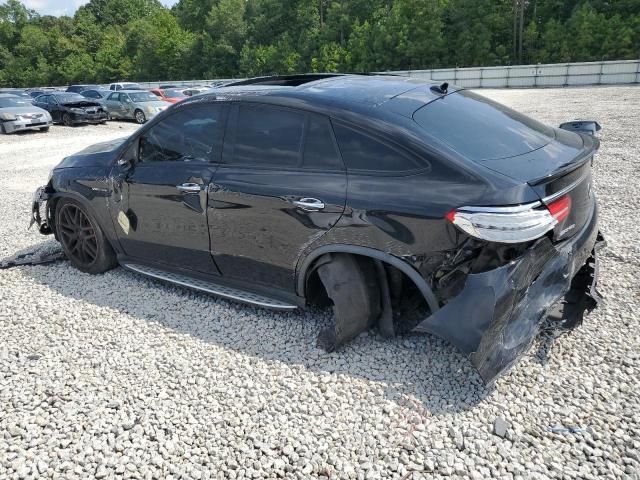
(135, 105)
(17, 113)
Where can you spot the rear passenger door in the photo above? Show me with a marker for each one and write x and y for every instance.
(280, 186)
(114, 107)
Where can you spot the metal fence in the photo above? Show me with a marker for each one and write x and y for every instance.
(548, 75)
(517, 76)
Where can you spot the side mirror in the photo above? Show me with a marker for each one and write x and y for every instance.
(128, 159)
(582, 126)
(126, 163)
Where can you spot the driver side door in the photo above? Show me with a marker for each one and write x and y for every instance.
(162, 217)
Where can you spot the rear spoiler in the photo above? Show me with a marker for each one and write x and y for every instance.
(582, 126)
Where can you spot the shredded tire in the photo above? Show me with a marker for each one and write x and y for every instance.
(351, 284)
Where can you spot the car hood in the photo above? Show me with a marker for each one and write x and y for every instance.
(82, 104)
(99, 154)
(23, 110)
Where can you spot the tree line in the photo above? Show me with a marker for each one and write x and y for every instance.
(141, 40)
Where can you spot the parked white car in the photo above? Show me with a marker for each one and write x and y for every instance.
(17, 113)
(125, 86)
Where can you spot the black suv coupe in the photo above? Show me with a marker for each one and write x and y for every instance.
(407, 205)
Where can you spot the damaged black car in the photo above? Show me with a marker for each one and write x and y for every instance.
(71, 108)
(406, 205)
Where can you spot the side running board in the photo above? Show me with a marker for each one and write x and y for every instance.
(210, 287)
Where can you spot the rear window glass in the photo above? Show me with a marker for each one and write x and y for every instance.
(481, 129)
(363, 152)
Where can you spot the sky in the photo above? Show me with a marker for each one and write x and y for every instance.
(65, 7)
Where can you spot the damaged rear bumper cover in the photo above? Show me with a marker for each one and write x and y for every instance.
(498, 314)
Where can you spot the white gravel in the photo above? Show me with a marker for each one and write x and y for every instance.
(117, 376)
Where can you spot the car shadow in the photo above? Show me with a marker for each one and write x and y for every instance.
(422, 374)
(21, 133)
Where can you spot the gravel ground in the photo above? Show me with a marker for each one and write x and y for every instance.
(116, 376)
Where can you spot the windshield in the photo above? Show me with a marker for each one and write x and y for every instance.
(481, 129)
(173, 93)
(70, 98)
(8, 102)
(143, 97)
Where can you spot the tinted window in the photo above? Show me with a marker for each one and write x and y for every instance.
(69, 97)
(90, 94)
(320, 149)
(268, 136)
(114, 97)
(481, 129)
(143, 97)
(363, 152)
(190, 135)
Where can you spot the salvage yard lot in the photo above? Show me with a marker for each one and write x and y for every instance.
(116, 375)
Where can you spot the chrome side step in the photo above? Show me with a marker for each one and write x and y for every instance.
(210, 287)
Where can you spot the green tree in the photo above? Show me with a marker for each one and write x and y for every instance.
(223, 38)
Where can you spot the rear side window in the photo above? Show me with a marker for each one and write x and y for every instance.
(320, 148)
(365, 153)
(268, 136)
(189, 135)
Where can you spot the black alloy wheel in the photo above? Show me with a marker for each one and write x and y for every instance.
(77, 235)
(66, 119)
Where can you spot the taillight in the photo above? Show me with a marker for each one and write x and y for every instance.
(560, 208)
(514, 224)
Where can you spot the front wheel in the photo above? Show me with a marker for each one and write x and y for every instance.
(82, 238)
(140, 117)
(66, 120)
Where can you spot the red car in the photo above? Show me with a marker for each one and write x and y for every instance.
(169, 95)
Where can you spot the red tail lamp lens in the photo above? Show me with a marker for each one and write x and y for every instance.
(560, 208)
(451, 216)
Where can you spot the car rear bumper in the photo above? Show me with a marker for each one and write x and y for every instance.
(497, 315)
(20, 125)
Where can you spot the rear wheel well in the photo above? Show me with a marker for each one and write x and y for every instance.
(408, 304)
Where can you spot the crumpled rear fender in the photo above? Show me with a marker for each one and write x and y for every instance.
(497, 315)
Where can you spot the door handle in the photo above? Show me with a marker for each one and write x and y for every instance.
(309, 204)
(190, 187)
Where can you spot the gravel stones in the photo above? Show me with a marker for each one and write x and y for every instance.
(119, 376)
(500, 427)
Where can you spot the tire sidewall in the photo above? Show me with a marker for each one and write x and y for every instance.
(66, 123)
(105, 259)
(135, 116)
